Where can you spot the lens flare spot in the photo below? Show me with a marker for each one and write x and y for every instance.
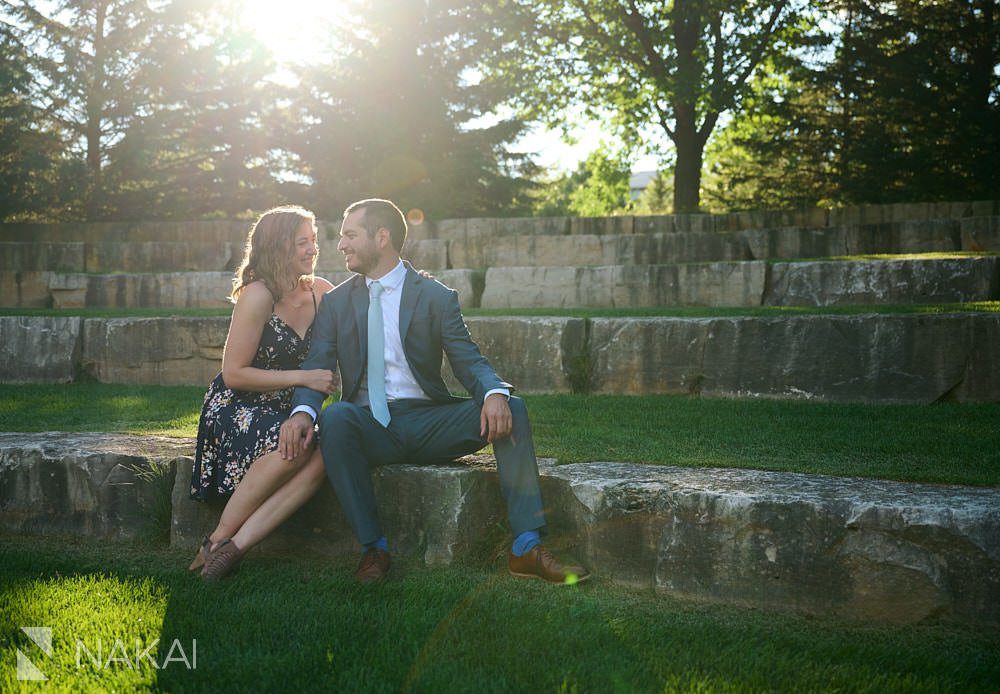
(571, 579)
(415, 216)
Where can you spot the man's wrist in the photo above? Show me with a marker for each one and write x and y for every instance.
(498, 391)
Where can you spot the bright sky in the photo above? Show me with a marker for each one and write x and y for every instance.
(290, 27)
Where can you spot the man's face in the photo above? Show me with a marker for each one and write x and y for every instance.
(360, 250)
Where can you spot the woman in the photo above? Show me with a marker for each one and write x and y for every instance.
(276, 296)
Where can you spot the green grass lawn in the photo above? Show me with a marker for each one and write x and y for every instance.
(945, 443)
(652, 312)
(304, 625)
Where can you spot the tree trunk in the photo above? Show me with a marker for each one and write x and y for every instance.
(687, 23)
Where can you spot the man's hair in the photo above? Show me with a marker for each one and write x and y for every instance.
(381, 214)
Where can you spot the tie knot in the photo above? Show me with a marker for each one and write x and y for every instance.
(377, 289)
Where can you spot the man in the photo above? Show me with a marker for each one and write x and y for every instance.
(386, 329)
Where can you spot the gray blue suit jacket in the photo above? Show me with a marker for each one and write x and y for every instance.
(430, 323)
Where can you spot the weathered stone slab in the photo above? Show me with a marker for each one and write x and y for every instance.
(536, 355)
(39, 349)
(26, 255)
(162, 256)
(856, 548)
(93, 485)
(533, 226)
(851, 547)
(25, 289)
(980, 234)
(692, 284)
(468, 283)
(678, 247)
(146, 290)
(155, 351)
(795, 242)
(600, 226)
(830, 283)
(862, 358)
(428, 254)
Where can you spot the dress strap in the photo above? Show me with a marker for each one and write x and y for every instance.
(312, 290)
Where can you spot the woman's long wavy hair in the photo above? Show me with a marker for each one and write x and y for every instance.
(269, 250)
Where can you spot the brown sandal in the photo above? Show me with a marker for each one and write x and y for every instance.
(203, 554)
(222, 561)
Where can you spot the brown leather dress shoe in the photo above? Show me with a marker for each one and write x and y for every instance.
(538, 562)
(374, 566)
(222, 561)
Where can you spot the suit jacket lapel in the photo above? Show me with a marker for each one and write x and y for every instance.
(359, 299)
(408, 301)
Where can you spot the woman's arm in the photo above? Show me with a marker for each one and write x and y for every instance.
(250, 315)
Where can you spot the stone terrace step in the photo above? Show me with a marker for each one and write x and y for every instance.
(503, 245)
(495, 247)
(40, 289)
(849, 547)
(737, 221)
(916, 358)
(746, 283)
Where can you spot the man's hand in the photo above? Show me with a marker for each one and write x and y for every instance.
(295, 436)
(495, 421)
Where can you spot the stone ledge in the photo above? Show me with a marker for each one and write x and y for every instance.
(851, 547)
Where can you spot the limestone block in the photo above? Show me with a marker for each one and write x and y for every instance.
(25, 255)
(876, 358)
(689, 284)
(449, 229)
(634, 356)
(440, 514)
(547, 287)
(679, 247)
(536, 355)
(162, 289)
(795, 242)
(883, 281)
(69, 290)
(429, 254)
(70, 484)
(984, 208)
(600, 226)
(156, 351)
(698, 223)
(533, 226)
(39, 349)
(468, 284)
(654, 224)
(25, 289)
(851, 547)
(468, 243)
(160, 256)
(980, 234)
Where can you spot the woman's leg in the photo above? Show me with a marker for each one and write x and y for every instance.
(264, 477)
(283, 503)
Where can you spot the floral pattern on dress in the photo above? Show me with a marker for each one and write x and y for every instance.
(239, 426)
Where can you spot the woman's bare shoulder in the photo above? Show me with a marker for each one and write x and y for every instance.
(322, 285)
(255, 298)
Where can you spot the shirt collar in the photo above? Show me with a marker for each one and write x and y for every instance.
(391, 280)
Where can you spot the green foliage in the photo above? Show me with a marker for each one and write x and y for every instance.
(897, 106)
(657, 197)
(598, 187)
(287, 624)
(675, 66)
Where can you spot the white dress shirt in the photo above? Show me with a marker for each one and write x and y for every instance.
(399, 380)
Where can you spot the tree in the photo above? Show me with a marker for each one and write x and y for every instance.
(30, 156)
(676, 65)
(390, 115)
(160, 105)
(904, 107)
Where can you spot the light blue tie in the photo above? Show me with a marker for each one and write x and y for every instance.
(376, 357)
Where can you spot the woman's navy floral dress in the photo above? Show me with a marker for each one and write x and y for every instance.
(239, 426)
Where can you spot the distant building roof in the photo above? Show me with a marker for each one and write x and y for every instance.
(638, 181)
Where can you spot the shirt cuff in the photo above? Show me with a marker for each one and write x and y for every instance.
(502, 391)
(305, 408)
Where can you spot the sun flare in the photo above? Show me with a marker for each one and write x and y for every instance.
(295, 31)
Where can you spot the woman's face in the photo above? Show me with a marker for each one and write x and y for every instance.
(304, 250)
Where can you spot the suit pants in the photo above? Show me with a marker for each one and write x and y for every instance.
(424, 432)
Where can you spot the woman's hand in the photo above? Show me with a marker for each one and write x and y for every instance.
(322, 380)
(426, 275)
